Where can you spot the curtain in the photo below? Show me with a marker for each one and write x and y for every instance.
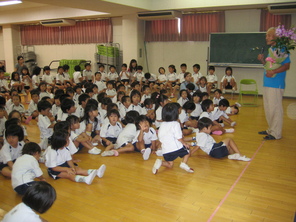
(270, 20)
(39, 35)
(87, 32)
(198, 27)
(161, 31)
(97, 31)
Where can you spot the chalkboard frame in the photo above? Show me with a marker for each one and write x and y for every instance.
(257, 47)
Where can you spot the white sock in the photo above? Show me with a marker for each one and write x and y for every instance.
(89, 171)
(79, 178)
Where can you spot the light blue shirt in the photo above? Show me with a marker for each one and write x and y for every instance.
(279, 80)
(184, 84)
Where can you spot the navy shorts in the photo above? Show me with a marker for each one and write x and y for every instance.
(21, 189)
(219, 150)
(125, 80)
(194, 117)
(174, 155)
(2, 165)
(112, 139)
(54, 174)
(228, 86)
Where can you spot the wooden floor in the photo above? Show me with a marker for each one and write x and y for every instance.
(219, 190)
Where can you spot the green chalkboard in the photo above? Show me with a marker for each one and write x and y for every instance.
(237, 49)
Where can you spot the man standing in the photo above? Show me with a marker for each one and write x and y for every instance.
(273, 90)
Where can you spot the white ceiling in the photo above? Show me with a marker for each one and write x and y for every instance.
(35, 10)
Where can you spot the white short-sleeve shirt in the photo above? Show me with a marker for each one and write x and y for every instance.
(24, 170)
(172, 76)
(183, 116)
(138, 76)
(158, 116)
(76, 76)
(148, 137)
(48, 78)
(101, 85)
(54, 158)
(162, 77)
(197, 111)
(9, 153)
(21, 213)
(206, 114)
(196, 76)
(112, 75)
(216, 100)
(169, 134)
(182, 101)
(205, 142)
(212, 78)
(127, 135)
(217, 113)
(109, 130)
(137, 108)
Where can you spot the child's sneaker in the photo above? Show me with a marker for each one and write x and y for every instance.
(233, 123)
(95, 151)
(234, 156)
(193, 144)
(172, 95)
(158, 152)
(146, 153)
(221, 124)
(185, 167)
(239, 105)
(110, 153)
(193, 138)
(95, 144)
(101, 171)
(231, 130)
(89, 179)
(244, 158)
(156, 166)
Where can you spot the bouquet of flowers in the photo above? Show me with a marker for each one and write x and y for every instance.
(285, 41)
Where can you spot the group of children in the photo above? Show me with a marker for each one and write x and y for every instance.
(125, 112)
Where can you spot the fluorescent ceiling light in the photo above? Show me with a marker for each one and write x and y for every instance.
(5, 3)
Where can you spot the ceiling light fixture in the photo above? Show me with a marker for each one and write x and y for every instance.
(5, 3)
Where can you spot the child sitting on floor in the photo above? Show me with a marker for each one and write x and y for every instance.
(82, 139)
(110, 131)
(217, 97)
(39, 198)
(26, 168)
(226, 147)
(11, 150)
(60, 165)
(219, 113)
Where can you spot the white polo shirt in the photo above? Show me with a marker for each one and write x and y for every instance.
(169, 133)
(21, 213)
(24, 170)
(205, 142)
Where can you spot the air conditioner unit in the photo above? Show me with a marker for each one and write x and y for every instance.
(58, 22)
(282, 8)
(157, 15)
